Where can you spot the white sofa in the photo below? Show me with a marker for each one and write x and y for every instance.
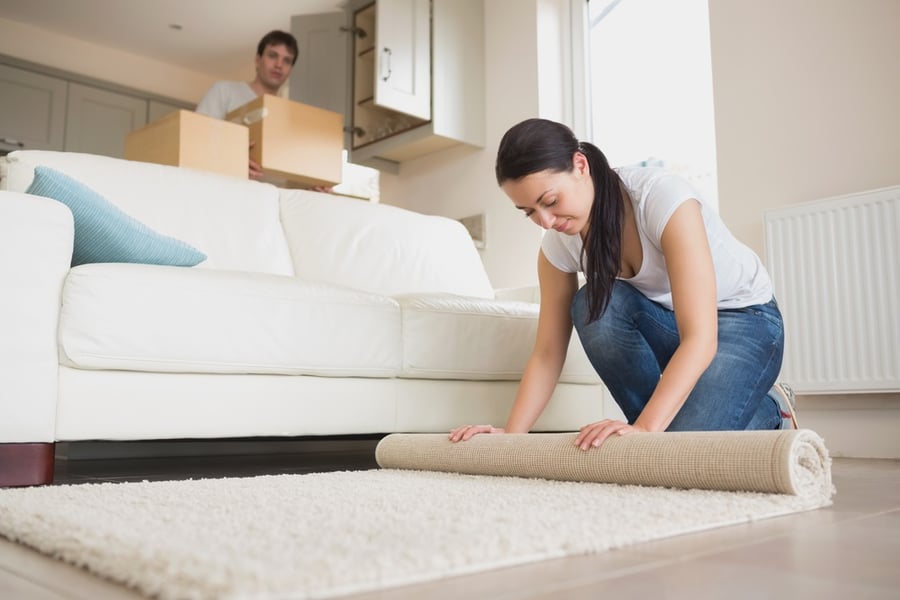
(314, 314)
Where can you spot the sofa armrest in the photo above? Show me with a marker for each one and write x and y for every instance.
(36, 237)
(528, 293)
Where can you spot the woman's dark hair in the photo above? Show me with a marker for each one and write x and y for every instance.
(536, 145)
(278, 38)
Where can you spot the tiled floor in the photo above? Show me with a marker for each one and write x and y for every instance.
(850, 550)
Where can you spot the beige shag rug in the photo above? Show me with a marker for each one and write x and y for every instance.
(327, 534)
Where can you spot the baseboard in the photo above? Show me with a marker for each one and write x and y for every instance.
(854, 425)
(107, 449)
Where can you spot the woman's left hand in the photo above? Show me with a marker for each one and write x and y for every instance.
(592, 435)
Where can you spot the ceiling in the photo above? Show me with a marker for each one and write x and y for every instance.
(216, 36)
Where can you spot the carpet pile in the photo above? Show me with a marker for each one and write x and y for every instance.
(327, 534)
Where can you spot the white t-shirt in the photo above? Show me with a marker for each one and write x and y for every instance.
(225, 96)
(741, 278)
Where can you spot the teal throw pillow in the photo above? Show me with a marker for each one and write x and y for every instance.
(104, 233)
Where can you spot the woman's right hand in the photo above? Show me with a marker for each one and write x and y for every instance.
(464, 433)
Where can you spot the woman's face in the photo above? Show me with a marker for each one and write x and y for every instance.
(560, 201)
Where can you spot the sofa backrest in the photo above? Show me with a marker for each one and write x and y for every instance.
(379, 248)
(234, 222)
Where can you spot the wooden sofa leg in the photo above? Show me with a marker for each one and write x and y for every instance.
(26, 464)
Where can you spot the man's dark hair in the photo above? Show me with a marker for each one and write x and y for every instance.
(278, 38)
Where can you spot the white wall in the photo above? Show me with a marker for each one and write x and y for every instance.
(651, 86)
(107, 64)
(806, 101)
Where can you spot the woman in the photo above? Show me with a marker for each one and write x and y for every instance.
(677, 316)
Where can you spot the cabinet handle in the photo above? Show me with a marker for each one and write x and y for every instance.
(12, 142)
(386, 52)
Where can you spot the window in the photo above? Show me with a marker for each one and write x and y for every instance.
(651, 87)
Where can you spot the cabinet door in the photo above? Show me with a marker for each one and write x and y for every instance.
(403, 56)
(97, 121)
(32, 110)
(156, 110)
(319, 76)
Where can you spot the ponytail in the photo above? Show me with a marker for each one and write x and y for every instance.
(601, 253)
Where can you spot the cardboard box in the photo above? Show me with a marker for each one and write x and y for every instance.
(188, 139)
(296, 142)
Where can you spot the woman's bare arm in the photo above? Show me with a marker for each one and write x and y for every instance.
(547, 357)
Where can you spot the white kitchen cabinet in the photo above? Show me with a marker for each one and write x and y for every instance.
(98, 120)
(391, 66)
(156, 109)
(415, 77)
(32, 110)
(318, 77)
(43, 108)
(402, 56)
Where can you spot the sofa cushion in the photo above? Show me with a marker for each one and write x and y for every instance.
(452, 337)
(378, 248)
(168, 319)
(103, 233)
(234, 221)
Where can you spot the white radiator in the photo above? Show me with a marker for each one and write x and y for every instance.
(835, 264)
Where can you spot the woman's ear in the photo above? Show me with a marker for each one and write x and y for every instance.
(580, 164)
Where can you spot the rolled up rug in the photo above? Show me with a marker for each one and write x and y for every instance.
(783, 462)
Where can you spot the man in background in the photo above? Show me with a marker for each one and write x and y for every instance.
(276, 54)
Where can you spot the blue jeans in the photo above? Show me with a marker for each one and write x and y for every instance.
(632, 342)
